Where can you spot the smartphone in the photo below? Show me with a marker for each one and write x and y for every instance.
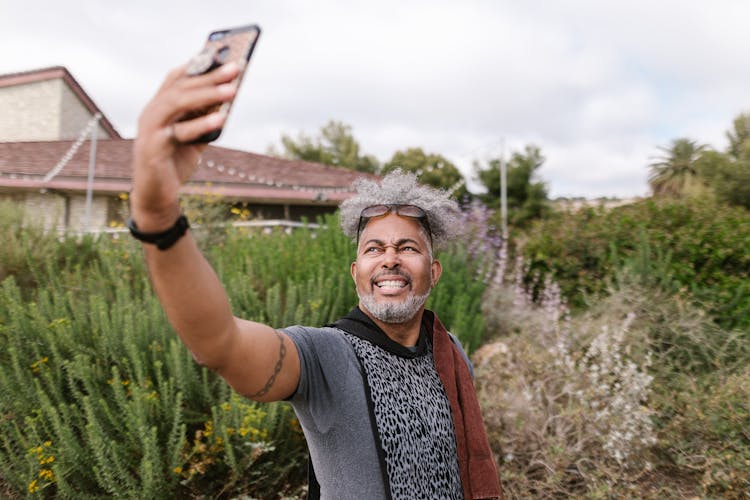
(221, 47)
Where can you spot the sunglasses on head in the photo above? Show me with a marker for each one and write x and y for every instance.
(412, 211)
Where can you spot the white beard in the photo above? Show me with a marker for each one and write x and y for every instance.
(393, 312)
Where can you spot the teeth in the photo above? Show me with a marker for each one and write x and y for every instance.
(391, 284)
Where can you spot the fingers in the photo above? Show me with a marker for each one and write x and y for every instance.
(187, 131)
(181, 94)
(224, 73)
(185, 101)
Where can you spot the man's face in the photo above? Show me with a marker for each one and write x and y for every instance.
(394, 272)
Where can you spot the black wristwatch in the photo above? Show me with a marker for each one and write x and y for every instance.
(164, 239)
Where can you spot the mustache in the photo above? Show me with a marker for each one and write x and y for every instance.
(392, 272)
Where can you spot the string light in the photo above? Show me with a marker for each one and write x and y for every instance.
(320, 191)
(73, 148)
(455, 187)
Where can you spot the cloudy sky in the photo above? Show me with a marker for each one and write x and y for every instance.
(598, 85)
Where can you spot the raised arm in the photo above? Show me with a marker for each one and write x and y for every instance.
(257, 361)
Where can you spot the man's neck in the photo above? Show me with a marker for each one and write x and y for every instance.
(406, 334)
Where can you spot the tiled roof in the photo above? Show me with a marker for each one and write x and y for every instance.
(228, 172)
(39, 75)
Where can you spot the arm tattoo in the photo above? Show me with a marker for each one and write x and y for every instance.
(276, 370)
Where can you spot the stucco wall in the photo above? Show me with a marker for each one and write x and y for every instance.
(30, 111)
(41, 111)
(77, 213)
(63, 211)
(47, 210)
(74, 115)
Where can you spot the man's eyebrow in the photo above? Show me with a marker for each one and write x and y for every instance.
(406, 240)
(373, 240)
(400, 242)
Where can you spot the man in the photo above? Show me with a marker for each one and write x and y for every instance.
(381, 417)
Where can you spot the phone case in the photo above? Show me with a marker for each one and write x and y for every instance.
(222, 46)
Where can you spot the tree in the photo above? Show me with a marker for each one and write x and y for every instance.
(527, 196)
(431, 169)
(676, 172)
(739, 137)
(335, 145)
(732, 183)
(728, 177)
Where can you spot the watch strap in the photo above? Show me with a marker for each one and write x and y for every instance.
(164, 239)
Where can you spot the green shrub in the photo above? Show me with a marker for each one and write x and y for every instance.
(100, 399)
(545, 419)
(565, 401)
(702, 249)
(708, 431)
(92, 368)
(28, 247)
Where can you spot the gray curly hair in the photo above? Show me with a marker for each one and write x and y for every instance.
(402, 188)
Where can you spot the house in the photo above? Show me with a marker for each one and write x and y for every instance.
(46, 152)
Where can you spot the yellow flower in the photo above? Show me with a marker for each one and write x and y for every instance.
(177, 470)
(47, 474)
(33, 486)
(36, 365)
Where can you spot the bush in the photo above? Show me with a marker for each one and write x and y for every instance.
(564, 401)
(581, 406)
(93, 376)
(704, 249)
(100, 399)
(27, 247)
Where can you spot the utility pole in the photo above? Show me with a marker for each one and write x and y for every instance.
(92, 165)
(504, 192)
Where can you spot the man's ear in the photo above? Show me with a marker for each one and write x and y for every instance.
(353, 271)
(437, 271)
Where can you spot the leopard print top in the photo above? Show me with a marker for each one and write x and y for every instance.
(414, 421)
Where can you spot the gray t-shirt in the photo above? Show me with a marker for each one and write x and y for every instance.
(331, 404)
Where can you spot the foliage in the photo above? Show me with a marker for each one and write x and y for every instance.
(555, 417)
(691, 169)
(739, 137)
(100, 399)
(335, 145)
(431, 169)
(91, 367)
(527, 196)
(27, 248)
(728, 176)
(701, 246)
(565, 401)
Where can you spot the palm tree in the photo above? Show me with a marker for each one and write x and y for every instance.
(676, 172)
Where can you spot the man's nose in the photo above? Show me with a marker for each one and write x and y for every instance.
(390, 258)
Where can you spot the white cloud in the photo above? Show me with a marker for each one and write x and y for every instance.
(597, 85)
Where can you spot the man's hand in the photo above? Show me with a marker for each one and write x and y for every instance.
(162, 158)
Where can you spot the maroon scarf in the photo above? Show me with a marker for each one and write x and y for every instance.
(477, 466)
